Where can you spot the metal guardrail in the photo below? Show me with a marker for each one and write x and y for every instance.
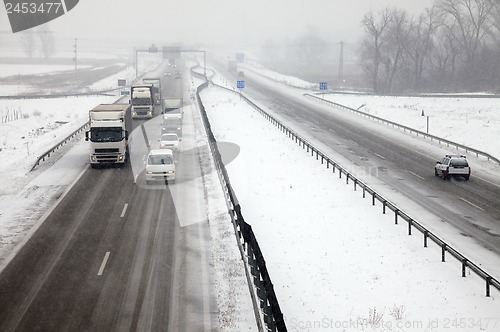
(268, 302)
(398, 212)
(411, 130)
(62, 95)
(57, 146)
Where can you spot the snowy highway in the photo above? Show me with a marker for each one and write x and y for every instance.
(386, 156)
(114, 253)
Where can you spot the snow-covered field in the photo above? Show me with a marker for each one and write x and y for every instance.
(333, 268)
(24, 69)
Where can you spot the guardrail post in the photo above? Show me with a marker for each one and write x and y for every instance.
(383, 206)
(347, 178)
(396, 213)
(443, 252)
(488, 283)
(426, 234)
(410, 222)
(355, 183)
(464, 265)
(364, 192)
(373, 199)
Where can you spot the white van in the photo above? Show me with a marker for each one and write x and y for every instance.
(160, 166)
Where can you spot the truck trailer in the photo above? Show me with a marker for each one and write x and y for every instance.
(142, 101)
(171, 104)
(108, 134)
(156, 81)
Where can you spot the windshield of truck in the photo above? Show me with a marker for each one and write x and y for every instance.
(141, 101)
(160, 159)
(112, 134)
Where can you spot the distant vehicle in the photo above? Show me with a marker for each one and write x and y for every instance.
(160, 166)
(172, 125)
(142, 100)
(178, 75)
(241, 74)
(232, 66)
(452, 165)
(174, 113)
(167, 73)
(156, 81)
(171, 104)
(170, 141)
(108, 134)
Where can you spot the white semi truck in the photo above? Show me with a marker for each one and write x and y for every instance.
(108, 134)
(156, 81)
(142, 101)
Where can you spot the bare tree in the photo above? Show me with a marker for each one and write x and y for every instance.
(28, 42)
(46, 42)
(473, 20)
(371, 47)
(393, 54)
(420, 43)
(443, 58)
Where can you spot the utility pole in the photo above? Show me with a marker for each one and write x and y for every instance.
(341, 63)
(75, 59)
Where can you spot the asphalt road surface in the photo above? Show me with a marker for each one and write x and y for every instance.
(114, 256)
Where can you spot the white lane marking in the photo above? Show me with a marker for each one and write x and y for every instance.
(415, 174)
(381, 157)
(474, 205)
(103, 264)
(124, 210)
(492, 183)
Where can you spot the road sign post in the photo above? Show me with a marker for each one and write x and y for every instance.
(323, 86)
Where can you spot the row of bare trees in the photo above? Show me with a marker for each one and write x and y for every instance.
(37, 41)
(452, 46)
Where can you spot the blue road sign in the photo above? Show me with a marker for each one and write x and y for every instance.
(240, 84)
(323, 85)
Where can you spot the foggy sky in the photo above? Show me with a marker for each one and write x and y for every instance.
(221, 22)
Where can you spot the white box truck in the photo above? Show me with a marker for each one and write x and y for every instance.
(156, 81)
(108, 134)
(171, 104)
(142, 101)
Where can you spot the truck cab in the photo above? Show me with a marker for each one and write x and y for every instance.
(142, 101)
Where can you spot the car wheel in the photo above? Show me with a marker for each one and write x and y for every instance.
(444, 176)
(467, 177)
(436, 172)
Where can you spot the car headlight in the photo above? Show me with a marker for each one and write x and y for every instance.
(149, 172)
